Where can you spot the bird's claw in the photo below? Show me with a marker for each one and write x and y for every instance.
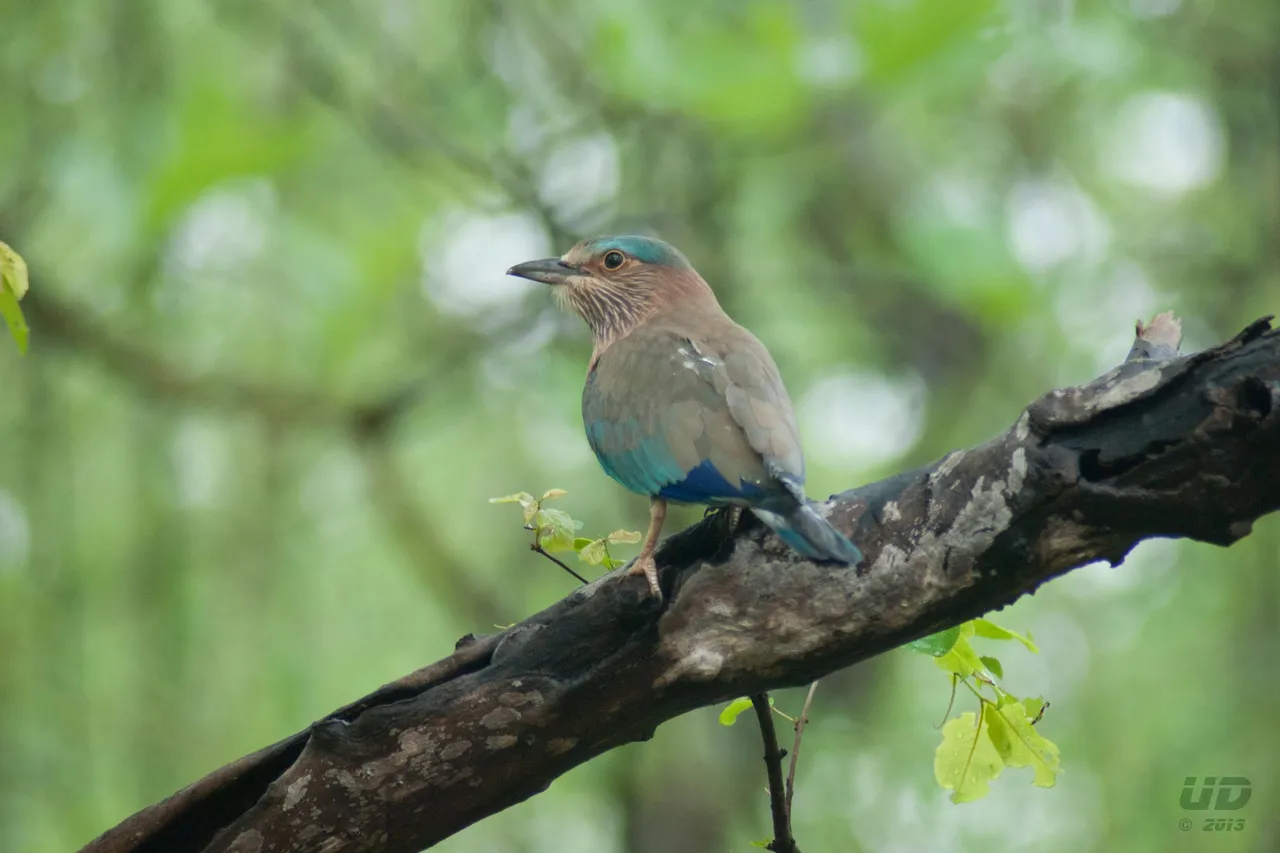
(645, 565)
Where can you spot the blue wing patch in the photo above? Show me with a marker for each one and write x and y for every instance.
(650, 469)
(705, 485)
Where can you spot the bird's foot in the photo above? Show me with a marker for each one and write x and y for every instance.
(645, 565)
(730, 512)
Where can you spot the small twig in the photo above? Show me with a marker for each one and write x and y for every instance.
(537, 548)
(784, 715)
(951, 703)
(795, 748)
(782, 840)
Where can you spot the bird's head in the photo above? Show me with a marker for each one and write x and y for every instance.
(614, 283)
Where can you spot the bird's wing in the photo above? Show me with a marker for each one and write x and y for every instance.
(748, 379)
(694, 418)
(659, 417)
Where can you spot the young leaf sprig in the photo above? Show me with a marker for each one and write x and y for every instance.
(555, 531)
(977, 747)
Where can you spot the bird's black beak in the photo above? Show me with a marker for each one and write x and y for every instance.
(547, 271)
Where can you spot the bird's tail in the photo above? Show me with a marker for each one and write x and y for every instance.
(811, 535)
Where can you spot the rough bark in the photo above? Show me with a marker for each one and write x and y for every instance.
(1161, 446)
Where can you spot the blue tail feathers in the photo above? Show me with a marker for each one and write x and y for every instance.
(810, 535)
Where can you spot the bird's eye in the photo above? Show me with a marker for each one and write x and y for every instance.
(613, 260)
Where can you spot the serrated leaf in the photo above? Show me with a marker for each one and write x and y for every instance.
(936, 644)
(525, 500)
(13, 318)
(555, 529)
(596, 551)
(992, 631)
(999, 732)
(730, 714)
(559, 517)
(962, 659)
(993, 666)
(13, 286)
(517, 498)
(593, 552)
(966, 762)
(1021, 744)
(552, 494)
(1034, 707)
(13, 272)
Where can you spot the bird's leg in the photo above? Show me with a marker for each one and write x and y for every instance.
(644, 564)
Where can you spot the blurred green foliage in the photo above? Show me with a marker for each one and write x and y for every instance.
(276, 371)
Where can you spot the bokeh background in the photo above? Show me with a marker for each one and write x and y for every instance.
(276, 372)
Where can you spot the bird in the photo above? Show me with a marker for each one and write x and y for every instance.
(680, 403)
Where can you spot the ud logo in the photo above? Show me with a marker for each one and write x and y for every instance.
(1233, 793)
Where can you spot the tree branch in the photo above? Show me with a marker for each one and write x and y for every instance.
(782, 841)
(1185, 447)
(64, 324)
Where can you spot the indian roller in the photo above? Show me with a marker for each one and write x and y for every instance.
(681, 404)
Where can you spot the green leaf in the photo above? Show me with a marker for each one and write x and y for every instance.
(525, 500)
(993, 666)
(936, 644)
(762, 843)
(962, 660)
(552, 494)
(729, 715)
(13, 286)
(593, 552)
(13, 271)
(992, 631)
(1034, 707)
(1021, 744)
(581, 542)
(518, 498)
(596, 551)
(555, 529)
(966, 762)
(623, 537)
(13, 318)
